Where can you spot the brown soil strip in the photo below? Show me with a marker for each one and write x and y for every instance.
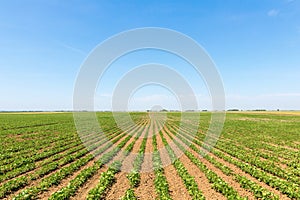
(137, 144)
(269, 152)
(176, 186)
(83, 191)
(91, 183)
(122, 183)
(228, 179)
(146, 189)
(64, 182)
(36, 182)
(237, 170)
(147, 165)
(282, 146)
(51, 190)
(128, 161)
(239, 159)
(194, 171)
(163, 152)
(127, 165)
(38, 166)
(280, 163)
(119, 188)
(201, 180)
(120, 155)
(149, 148)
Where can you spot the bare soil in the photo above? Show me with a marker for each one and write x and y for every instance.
(83, 192)
(237, 170)
(146, 189)
(199, 176)
(64, 182)
(119, 188)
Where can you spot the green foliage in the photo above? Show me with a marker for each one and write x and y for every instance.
(106, 180)
(134, 178)
(160, 181)
(129, 195)
(264, 146)
(74, 184)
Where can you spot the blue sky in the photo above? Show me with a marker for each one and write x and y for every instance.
(255, 45)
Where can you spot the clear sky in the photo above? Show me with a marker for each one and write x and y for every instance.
(255, 45)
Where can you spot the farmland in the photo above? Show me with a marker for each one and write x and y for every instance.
(256, 157)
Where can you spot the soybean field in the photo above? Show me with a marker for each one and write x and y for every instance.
(256, 157)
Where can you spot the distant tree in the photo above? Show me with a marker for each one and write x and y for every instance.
(234, 109)
(260, 110)
(163, 110)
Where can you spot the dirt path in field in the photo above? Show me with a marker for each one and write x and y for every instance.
(38, 165)
(127, 165)
(93, 181)
(122, 183)
(165, 159)
(90, 184)
(147, 165)
(280, 157)
(120, 177)
(36, 182)
(281, 161)
(282, 146)
(228, 179)
(128, 161)
(64, 182)
(119, 188)
(120, 155)
(39, 162)
(146, 189)
(193, 170)
(176, 186)
(201, 179)
(239, 160)
(128, 132)
(237, 170)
